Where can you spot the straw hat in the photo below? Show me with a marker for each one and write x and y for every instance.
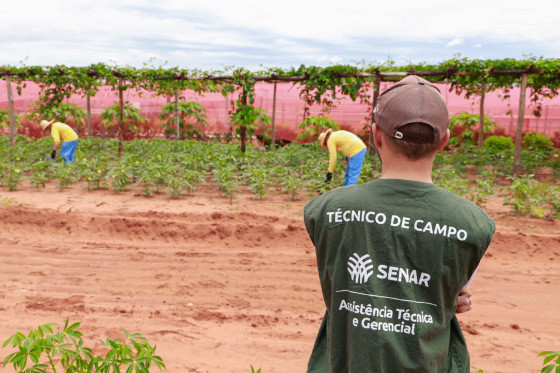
(44, 124)
(322, 138)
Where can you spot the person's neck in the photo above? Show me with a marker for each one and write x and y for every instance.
(398, 168)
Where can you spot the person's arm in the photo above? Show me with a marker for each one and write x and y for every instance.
(55, 133)
(332, 154)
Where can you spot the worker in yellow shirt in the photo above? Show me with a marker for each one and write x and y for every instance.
(62, 132)
(348, 144)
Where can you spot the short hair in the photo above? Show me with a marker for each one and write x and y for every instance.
(417, 141)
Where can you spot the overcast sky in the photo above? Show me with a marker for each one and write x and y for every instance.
(209, 34)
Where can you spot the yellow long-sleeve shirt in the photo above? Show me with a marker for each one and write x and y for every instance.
(345, 142)
(62, 131)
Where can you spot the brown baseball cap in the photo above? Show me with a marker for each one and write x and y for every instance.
(411, 100)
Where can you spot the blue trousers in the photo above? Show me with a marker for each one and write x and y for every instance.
(68, 150)
(354, 167)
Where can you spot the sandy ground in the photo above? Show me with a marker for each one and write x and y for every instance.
(220, 286)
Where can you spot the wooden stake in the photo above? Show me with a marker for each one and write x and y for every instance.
(481, 129)
(519, 131)
(89, 125)
(371, 144)
(272, 134)
(177, 129)
(121, 109)
(243, 129)
(11, 111)
(226, 107)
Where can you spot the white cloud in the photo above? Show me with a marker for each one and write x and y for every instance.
(456, 41)
(214, 32)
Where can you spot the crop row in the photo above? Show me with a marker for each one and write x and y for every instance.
(179, 167)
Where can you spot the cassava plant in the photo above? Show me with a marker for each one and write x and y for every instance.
(5, 118)
(191, 116)
(313, 126)
(52, 348)
(131, 116)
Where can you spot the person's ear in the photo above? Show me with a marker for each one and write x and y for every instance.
(377, 137)
(445, 140)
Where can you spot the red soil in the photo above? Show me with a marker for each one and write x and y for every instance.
(220, 286)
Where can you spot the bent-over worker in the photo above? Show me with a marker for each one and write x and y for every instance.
(61, 132)
(348, 144)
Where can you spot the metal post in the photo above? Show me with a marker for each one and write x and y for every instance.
(519, 131)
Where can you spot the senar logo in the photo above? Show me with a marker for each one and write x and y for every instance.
(360, 268)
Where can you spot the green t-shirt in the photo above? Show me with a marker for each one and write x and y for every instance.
(392, 257)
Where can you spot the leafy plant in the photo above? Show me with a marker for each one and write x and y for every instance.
(528, 196)
(477, 370)
(190, 115)
(7, 201)
(537, 151)
(228, 181)
(313, 126)
(5, 118)
(65, 175)
(538, 142)
(45, 348)
(62, 112)
(131, 116)
(248, 118)
(554, 365)
(467, 122)
(498, 144)
(42, 173)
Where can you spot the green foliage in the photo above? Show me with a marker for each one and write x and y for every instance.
(319, 85)
(13, 177)
(255, 371)
(228, 181)
(249, 118)
(61, 113)
(528, 196)
(537, 151)
(498, 153)
(449, 178)
(5, 118)
(468, 122)
(313, 126)
(191, 115)
(477, 370)
(498, 144)
(7, 201)
(178, 167)
(131, 116)
(48, 348)
(484, 188)
(537, 142)
(553, 358)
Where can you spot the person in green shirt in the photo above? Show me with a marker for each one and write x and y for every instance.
(61, 132)
(395, 255)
